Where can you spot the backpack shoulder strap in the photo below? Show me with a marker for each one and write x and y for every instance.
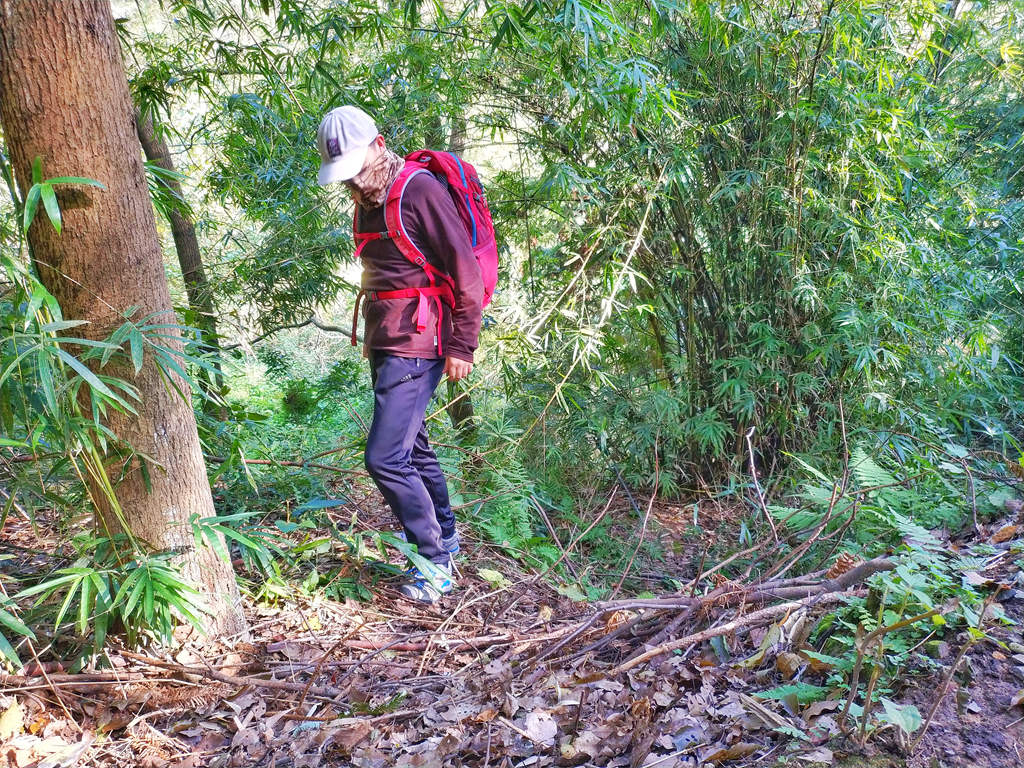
(392, 204)
(396, 225)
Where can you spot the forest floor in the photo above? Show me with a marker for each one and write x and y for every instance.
(508, 672)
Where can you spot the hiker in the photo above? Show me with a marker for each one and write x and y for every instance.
(422, 318)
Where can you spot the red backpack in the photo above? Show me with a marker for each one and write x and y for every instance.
(463, 184)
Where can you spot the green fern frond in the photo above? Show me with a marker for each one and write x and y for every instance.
(866, 470)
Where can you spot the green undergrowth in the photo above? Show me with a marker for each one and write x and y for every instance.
(736, 238)
(906, 508)
(285, 457)
(286, 407)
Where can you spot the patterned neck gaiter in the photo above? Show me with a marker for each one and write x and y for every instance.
(370, 186)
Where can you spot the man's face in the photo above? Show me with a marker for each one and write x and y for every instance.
(372, 153)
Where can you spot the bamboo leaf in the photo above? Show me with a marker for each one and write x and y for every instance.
(31, 205)
(15, 624)
(76, 180)
(136, 343)
(73, 587)
(92, 379)
(61, 325)
(51, 206)
(8, 651)
(85, 605)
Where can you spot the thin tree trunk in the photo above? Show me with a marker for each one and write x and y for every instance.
(64, 98)
(197, 287)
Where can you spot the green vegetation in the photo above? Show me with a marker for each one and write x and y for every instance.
(779, 237)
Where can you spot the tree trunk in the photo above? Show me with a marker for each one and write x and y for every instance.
(200, 297)
(64, 98)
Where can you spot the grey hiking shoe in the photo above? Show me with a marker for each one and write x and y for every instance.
(428, 588)
(451, 543)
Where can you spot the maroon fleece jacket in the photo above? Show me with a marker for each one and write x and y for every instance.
(435, 227)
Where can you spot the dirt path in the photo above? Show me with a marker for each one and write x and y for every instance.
(504, 672)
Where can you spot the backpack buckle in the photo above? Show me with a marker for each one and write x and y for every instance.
(420, 261)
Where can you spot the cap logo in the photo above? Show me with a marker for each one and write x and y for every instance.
(333, 147)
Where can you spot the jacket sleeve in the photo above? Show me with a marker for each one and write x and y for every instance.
(435, 226)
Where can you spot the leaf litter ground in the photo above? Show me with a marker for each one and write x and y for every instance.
(513, 675)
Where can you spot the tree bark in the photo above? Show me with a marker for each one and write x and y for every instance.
(186, 244)
(64, 97)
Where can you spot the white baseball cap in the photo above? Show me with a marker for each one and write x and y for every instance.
(344, 135)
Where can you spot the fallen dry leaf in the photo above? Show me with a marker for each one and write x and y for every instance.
(817, 708)
(34, 668)
(245, 738)
(823, 729)
(485, 715)
(12, 721)
(114, 720)
(39, 723)
(819, 755)
(70, 754)
(1017, 701)
(348, 735)
(498, 668)
(541, 727)
(730, 709)
(1005, 533)
(788, 664)
(232, 664)
(771, 638)
(589, 743)
(722, 753)
(689, 736)
(815, 664)
(453, 713)
(975, 579)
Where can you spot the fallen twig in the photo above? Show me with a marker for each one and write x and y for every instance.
(466, 642)
(750, 620)
(757, 485)
(49, 684)
(323, 660)
(782, 590)
(13, 684)
(509, 724)
(257, 682)
(786, 589)
(299, 464)
(846, 580)
(338, 721)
